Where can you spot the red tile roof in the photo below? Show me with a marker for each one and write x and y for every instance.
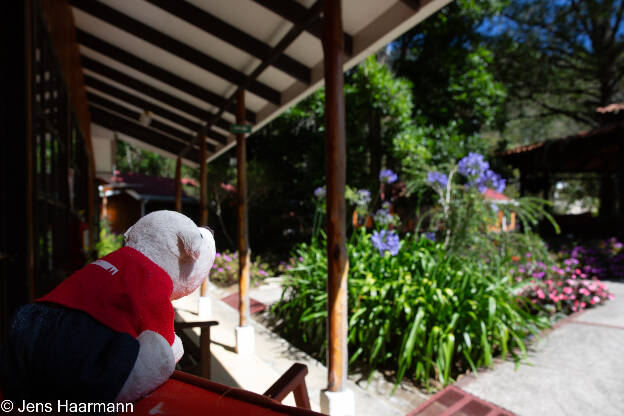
(494, 195)
(585, 134)
(611, 108)
(147, 184)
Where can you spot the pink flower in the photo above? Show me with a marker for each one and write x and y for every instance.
(540, 294)
(574, 308)
(596, 299)
(220, 270)
(611, 296)
(567, 290)
(549, 282)
(583, 305)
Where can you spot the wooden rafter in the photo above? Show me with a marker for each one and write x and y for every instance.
(154, 71)
(311, 15)
(137, 101)
(148, 90)
(295, 12)
(114, 122)
(135, 115)
(232, 35)
(174, 47)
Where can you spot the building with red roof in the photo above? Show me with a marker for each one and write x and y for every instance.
(126, 197)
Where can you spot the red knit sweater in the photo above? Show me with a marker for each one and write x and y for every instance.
(124, 290)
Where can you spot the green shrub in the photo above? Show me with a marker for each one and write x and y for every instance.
(421, 313)
(108, 241)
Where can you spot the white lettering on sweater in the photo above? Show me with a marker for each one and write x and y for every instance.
(106, 266)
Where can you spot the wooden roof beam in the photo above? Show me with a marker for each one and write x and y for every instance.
(148, 90)
(232, 35)
(135, 115)
(174, 47)
(154, 71)
(295, 12)
(114, 122)
(310, 16)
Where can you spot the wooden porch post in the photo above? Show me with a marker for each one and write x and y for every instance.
(203, 186)
(243, 230)
(178, 185)
(338, 266)
(30, 168)
(203, 197)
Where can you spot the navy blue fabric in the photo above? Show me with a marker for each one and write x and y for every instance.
(59, 353)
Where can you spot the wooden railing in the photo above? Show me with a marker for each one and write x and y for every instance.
(204, 343)
(293, 380)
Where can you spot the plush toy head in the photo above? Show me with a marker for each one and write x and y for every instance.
(172, 241)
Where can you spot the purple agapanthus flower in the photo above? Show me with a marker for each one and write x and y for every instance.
(387, 176)
(472, 166)
(475, 168)
(437, 178)
(320, 192)
(488, 179)
(430, 235)
(385, 240)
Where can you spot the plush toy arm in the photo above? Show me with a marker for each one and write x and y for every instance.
(178, 349)
(154, 365)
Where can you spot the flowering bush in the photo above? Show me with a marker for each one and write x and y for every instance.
(415, 311)
(563, 289)
(463, 215)
(225, 269)
(413, 307)
(604, 259)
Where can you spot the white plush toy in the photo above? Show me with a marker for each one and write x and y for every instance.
(106, 332)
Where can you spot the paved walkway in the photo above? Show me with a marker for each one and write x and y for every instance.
(576, 369)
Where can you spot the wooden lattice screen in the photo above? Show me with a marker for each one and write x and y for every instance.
(44, 176)
(60, 164)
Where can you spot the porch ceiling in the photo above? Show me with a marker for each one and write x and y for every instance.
(185, 60)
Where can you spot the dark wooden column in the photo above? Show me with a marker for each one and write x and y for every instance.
(178, 185)
(203, 196)
(203, 186)
(620, 194)
(338, 266)
(243, 228)
(30, 167)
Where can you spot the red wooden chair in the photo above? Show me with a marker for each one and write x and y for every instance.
(186, 394)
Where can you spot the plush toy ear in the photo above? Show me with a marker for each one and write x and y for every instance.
(127, 234)
(191, 242)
